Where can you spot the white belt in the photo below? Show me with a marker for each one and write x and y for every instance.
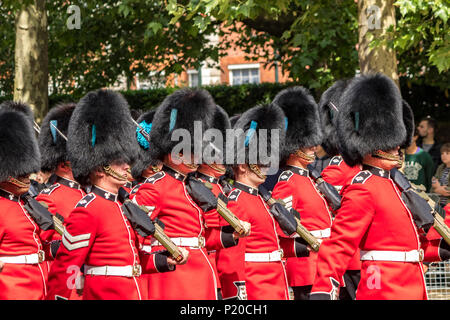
(125, 271)
(398, 256)
(264, 257)
(197, 242)
(319, 234)
(33, 258)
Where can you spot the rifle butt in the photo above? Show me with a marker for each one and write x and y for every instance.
(442, 228)
(307, 236)
(167, 243)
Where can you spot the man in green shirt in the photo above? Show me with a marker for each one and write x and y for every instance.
(418, 164)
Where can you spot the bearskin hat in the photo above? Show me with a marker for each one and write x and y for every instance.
(100, 131)
(254, 127)
(328, 108)
(19, 151)
(51, 144)
(302, 119)
(181, 110)
(144, 157)
(408, 120)
(221, 122)
(370, 118)
(234, 119)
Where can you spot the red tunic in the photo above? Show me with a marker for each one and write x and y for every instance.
(98, 234)
(340, 175)
(298, 191)
(263, 280)
(20, 235)
(62, 197)
(372, 217)
(166, 196)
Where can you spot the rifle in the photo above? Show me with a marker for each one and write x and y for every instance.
(39, 212)
(330, 193)
(425, 211)
(206, 199)
(300, 229)
(139, 218)
(228, 215)
(438, 214)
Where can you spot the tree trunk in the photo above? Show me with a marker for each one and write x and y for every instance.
(374, 18)
(31, 58)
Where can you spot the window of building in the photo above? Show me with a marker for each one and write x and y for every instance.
(193, 78)
(244, 73)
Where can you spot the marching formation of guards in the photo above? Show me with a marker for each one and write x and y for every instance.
(123, 216)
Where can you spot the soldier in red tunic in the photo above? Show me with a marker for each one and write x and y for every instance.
(22, 251)
(373, 215)
(295, 185)
(64, 192)
(255, 267)
(100, 148)
(166, 195)
(336, 172)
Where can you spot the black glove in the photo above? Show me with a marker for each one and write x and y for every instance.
(301, 247)
(139, 219)
(329, 192)
(54, 246)
(40, 214)
(444, 251)
(204, 197)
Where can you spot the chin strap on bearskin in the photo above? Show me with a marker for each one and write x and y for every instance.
(256, 170)
(111, 172)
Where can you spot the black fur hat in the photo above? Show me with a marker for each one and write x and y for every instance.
(370, 118)
(254, 123)
(234, 118)
(19, 151)
(144, 156)
(328, 109)
(180, 110)
(302, 116)
(51, 144)
(18, 106)
(408, 119)
(221, 122)
(100, 132)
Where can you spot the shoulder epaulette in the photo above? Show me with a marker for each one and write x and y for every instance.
(234, 195)
(285, 175)
(83, 203)
(361, 177)
(135, 188)
(336, 160)
(157, 176)
(49, 190)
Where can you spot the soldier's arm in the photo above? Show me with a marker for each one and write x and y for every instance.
(78, 237)
(350, 225)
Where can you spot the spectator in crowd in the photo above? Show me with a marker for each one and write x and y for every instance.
(441, 184)
(418, 164)
(427, 141)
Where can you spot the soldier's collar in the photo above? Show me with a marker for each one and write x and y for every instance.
(246, 188)
(8, 195)
(377, 171)
(206, 177)
(104, 194)
(128, 185)
(298, 170)
(173, 173)
(68, 183)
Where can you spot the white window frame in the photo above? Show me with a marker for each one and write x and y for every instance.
(191, 72)
(232, 67)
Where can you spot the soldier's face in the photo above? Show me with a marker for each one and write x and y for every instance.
(121, 168)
